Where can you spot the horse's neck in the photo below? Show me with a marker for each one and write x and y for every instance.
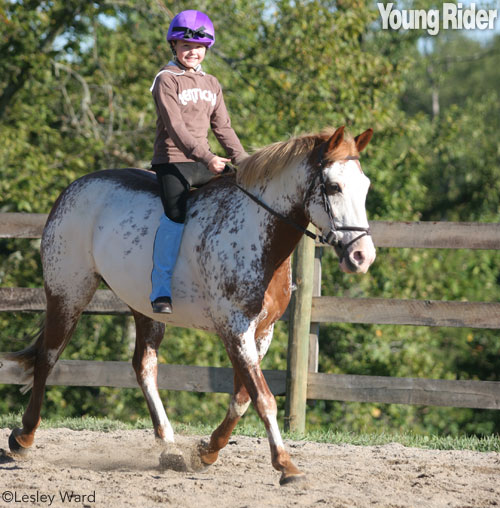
(285, 194)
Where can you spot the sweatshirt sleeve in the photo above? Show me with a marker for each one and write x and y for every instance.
(165, 96)
(221, 127)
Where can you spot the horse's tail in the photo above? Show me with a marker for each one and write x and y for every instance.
(26, 357)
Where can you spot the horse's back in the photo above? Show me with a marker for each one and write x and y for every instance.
(96, 189)
(131, 179)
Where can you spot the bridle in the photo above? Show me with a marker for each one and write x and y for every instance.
(331, 238)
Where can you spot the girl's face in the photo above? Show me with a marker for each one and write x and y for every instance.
(190, 54)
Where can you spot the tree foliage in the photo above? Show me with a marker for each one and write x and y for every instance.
(74, 98)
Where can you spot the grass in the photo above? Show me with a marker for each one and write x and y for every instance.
(475, 443)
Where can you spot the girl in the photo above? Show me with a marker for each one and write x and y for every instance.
(188, 102)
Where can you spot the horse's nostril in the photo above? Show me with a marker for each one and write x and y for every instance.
(358, 257)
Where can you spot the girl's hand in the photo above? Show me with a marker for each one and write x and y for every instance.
(217, 164)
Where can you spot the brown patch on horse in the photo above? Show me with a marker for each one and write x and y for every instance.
(278, 264)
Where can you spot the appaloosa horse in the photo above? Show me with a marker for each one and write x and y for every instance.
(232, 277)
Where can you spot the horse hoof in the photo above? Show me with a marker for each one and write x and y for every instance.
(196, 462)
(206, 457)
(296, 479)
(174, 461)
(14, 446)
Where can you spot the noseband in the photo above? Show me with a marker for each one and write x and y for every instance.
(331, 237)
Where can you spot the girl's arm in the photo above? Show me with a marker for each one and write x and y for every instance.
(221, 126)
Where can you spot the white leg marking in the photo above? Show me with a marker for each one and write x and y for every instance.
(237, 410)
(265, 342)
(273, 433)
(154, 401)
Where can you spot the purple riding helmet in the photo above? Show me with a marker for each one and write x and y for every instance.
(192, 26)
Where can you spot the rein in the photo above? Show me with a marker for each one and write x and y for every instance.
(277, 214)
(331, 238)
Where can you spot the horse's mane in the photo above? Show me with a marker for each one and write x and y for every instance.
(270, 160)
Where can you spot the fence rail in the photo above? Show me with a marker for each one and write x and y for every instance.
(423, 235)
(456, 393)
(434, 392)
(325, 309)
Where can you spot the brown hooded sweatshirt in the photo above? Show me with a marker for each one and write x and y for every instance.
(187, 105)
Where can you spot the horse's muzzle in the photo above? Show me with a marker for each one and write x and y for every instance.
(357, 256)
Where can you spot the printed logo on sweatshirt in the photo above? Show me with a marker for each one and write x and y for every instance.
(197, 94)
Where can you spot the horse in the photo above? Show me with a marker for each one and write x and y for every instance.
(232, 276)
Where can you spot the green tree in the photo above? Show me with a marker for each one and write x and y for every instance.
(74, 81)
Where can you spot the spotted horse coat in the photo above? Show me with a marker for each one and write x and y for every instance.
(232, 277)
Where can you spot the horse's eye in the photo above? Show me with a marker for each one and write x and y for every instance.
(333, 188)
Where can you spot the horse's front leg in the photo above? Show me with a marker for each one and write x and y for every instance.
(265, 404)
(149, 335)
(243, 352)
(237, 407)
(220, 436)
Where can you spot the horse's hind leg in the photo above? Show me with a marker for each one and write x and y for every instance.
(220, 436)
(63, 312)
(149, 335)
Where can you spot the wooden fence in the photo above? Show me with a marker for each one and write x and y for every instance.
(301, 381)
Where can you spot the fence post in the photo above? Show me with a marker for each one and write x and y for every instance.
(314, 330)
(298, 337)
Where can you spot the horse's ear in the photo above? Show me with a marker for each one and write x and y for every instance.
(363, 139)
(335, 140)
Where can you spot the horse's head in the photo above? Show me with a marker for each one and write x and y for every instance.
(335, 200)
